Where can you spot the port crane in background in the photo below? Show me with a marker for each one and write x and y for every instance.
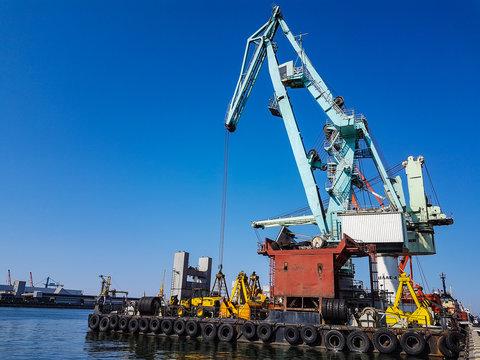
(105, 287)
(50, 282)
(348, 141)
(161, 293)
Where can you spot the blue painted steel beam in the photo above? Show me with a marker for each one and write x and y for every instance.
(306, 173)
(349, 128)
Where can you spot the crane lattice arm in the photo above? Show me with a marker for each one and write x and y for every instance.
(262, 39)
(343, 133)
(250, 68)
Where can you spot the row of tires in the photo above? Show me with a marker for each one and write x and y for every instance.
(384, 340)
(225, 332)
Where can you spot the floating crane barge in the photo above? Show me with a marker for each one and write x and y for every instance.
(252, 318)
(313, 299)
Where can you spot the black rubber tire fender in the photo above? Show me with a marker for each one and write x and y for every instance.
(191, 328)
(358, 341)
(291, 334)
(179, 327)
(442, 346)
(133, 325)
(249, 330)
(264, 332)
(144, 324)
(123, 323)
(385, 341)
(114, 319)
(412, 343)
(309, 335)
(334, 340)
(209, 332)
(226, 333)
(93, 321)
(167, 326)
(454, 341)
(104, 324)
(155, 325)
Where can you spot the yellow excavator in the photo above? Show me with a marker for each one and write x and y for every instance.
(247, 299)
(397, 317)
(204, 306)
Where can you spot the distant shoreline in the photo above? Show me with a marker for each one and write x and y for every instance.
(39, 305)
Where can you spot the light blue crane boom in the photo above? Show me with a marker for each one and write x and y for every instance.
(250, 70)
(343, 133)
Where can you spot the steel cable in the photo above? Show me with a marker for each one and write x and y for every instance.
(224, 201)
(391, 171)
(431, 185)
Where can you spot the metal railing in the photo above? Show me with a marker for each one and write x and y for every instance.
(356, 116)
(325, 94)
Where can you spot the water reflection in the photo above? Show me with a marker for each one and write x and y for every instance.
(115, 345)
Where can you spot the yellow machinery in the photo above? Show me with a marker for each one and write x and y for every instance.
(255, 289)
(205, 306)
(396, 316)
(180, 308)
(246, 298)
(105, 284)
(209, 306)
(184, 307)
(161, 294)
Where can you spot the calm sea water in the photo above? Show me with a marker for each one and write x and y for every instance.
(54, 334)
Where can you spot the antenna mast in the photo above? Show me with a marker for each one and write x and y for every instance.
(443, 277)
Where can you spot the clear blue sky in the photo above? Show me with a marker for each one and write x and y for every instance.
(111, 129)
